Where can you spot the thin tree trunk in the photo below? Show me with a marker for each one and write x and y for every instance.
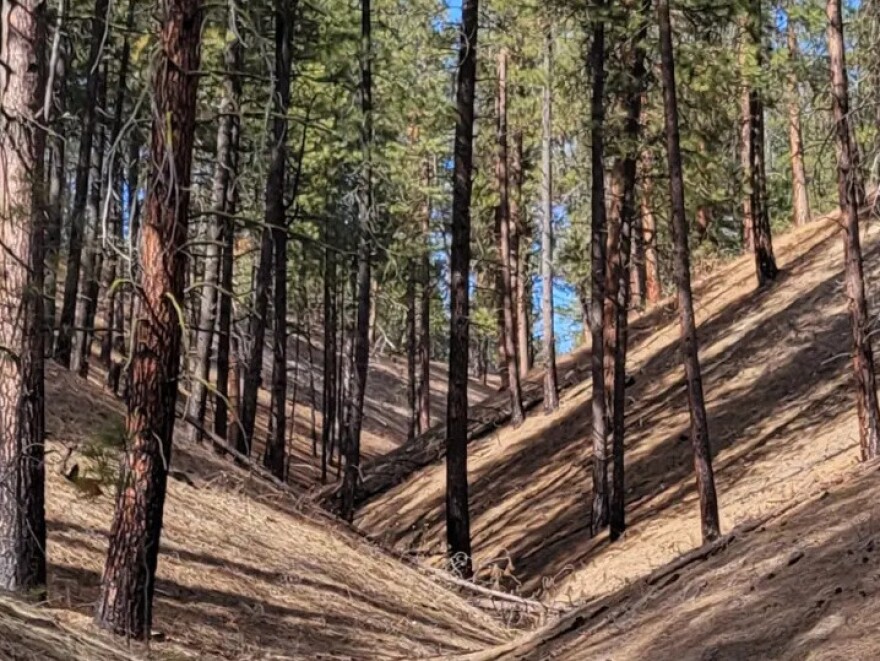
(328, 399)
(411, 350)
(653, 286)
(600, 504)
(633, 101)
(551, 387)
(364, 276)
(86, 304)
(520, 240)
(458, 528)
(424, 332)
(800, 197)
(502, 225)
(125, 605)
(276, 448)
(232, 59)
(851, 196)
(711, 526)
(22, 421)
(64, 345)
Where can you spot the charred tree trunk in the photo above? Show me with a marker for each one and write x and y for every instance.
(276, 448)
(458, 528)
(600, 502)
(633, 100)
(364, 271)
(502, 226)
(64, 345)
(232, 58)
(551, 387)
(800, 197)
(125, 605)
(851, 195)
(22, 422)
(711, 526)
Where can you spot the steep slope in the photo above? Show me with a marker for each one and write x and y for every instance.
(803, 584)
(782, 416)
(244, 571)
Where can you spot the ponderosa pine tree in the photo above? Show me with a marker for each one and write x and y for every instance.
(851, 195)
(551, 387)
(600, 503)
(699, 432)
(801, 213)
(22, 423)
(458, 528)
(128, 583)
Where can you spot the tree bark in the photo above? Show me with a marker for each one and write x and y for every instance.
(125, 605)
(22, 421)
(800, 197)
(364, 270)
(551, 387)
(458, 529)
(850, 192)
(276, 448)
(653, 286)
(519, 252)
(64, 344)
(600, 503)
(230, 106)
(711, 526)
(424, 339)
(635, 59)
(503, 238)
(411, 351)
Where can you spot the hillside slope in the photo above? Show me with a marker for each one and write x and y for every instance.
(804, 584)
(245, 572)
(781, 412)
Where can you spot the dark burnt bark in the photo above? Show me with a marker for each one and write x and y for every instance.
(711, 526)
(125, 605)
(458, 529)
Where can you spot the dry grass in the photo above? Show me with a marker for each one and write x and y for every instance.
(782, 417)
(245, 572)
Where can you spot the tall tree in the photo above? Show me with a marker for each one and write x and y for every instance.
(520, 240)
(626, 168)
(458, 526)
(551, 387)
(600, 502)
(424, 322)
(275, 458)
(22, 422)
(851, 195)
(503, 223)
(800, 197)
(128, 583)
(711, 526)
(67, 321)
(364, 269)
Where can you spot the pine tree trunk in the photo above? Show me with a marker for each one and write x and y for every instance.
(328, 399)
(551, 387)
(520, 240)
(411, 351)
(64, 344)
(364, 271)
(57, 151)
(424, 332)
(634, 91)
(502, 226)
(800, 197)
(710, 523)
(276, 449)
(22, 422)
(458, 529)
(600, 504)
(127, 587)
(86, 304)
(653, 286)
(232, 59)
(849, 188)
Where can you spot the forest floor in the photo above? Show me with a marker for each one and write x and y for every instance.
(781, 407)
(246, 571)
